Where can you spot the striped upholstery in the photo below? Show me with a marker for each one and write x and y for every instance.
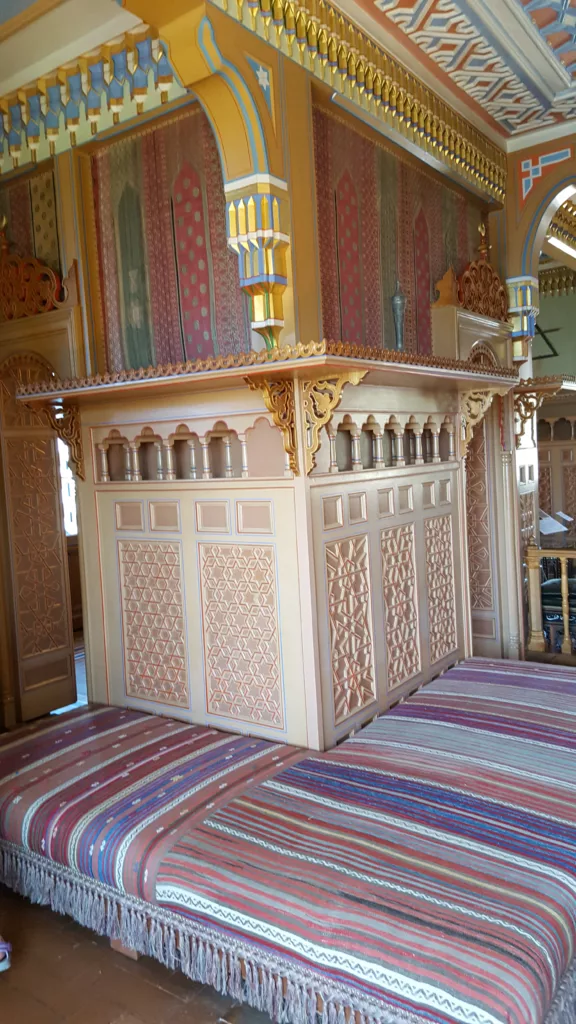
(424, 872)
(426, 866)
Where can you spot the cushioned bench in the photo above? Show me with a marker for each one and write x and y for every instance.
(424, 872)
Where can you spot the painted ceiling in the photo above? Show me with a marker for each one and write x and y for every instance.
(513, 62)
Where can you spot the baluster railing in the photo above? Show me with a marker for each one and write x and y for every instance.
(534, 556)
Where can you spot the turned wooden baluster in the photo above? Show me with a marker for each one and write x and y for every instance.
(536, 641)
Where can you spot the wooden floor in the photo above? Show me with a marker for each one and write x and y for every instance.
(63, 974)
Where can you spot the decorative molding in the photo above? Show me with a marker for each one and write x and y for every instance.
(557, 281)
(278, 396)
(563, 224)
(355, 67)
(319, 400)
(473, 407)
(114, 83)
(29, 287)
(480, 289)
(532, 169)
(65, 421)
(285, 354)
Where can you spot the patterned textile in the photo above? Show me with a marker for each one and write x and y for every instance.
(30, 210)
(403, 224)
(425, 867)
(106, 791)
(423, 872)
(170, 286)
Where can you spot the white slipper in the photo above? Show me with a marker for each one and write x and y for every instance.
(5, 951)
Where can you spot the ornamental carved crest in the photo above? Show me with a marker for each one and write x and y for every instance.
(480, 289)
(27, 286)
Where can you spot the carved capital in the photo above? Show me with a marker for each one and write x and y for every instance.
(319, 400)
(65, 420)
(278, 397)
(473, 407)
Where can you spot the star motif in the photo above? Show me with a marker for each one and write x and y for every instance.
(263, 78)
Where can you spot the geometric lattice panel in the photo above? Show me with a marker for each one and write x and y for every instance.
(153, 621)
(241, 635)
(349, 605)
(545, 489)
(478, 518)
(569, 480)
(440, 585)
(400, 602)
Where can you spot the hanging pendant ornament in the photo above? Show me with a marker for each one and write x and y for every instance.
(398, 301)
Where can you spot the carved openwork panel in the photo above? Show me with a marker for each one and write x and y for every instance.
(527, 519)
(153, 621)
(440, 584)
(401, 603)
(37, 550)
(349, 606)
(478, 517)
(545, 489)
(241, 633)
(22, 371)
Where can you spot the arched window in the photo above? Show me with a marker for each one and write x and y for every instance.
(192, 261)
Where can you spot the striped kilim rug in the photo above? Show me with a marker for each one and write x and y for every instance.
(424, 872)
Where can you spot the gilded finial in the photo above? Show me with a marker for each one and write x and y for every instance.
(483, 247)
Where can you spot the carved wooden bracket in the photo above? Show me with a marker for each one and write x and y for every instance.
(278, 396)
(65, 420)
(29, 287)
(473, 407)
(528, 398)
(319, 400)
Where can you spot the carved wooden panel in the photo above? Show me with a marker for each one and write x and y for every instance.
(440, 584)
(153, 621)
(241, 633)
(545, 489)
(478, 517)
(527, 519)
(43, 618)
(349, 604)
(401, 603)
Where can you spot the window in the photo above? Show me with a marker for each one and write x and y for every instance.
(68, 491)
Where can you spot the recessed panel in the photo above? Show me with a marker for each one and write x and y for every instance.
(254, 516)
(129, 515)
(484, 628)
(386, 502)
(445, 491)
(332, 511)
(566, 456)
(164, 516)
(428, 494)
(522, 474)
(357, 508)
(406, 498)
(212, 517)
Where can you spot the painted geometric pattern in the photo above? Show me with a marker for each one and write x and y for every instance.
(153, 621)
(423, 283)
(556, 22)
(400, 601)
(193, 264)
(348, 228)
(353, 683)
(545, 489)
(37, 546)
(44, 219)
(440, 582)
(241, 634)
(478, 518)
(445, 32)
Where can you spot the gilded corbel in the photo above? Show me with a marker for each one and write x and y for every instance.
(278, 397)
(319, 400)
(65, 420)
(473, 407)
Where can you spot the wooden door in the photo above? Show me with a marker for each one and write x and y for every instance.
(42, 637)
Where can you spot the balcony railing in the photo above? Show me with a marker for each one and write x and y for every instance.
(552, 601)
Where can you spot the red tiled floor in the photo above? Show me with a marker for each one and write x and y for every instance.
(63, 974)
